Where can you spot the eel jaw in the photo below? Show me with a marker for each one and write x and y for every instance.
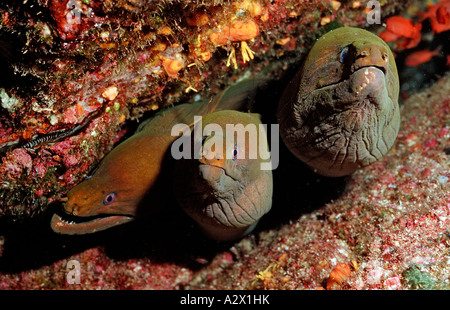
(368, 82)
(72, 225)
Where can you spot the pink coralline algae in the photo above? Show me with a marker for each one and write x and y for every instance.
(22, 163)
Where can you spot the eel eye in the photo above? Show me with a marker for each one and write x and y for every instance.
(109, 199)
(235, 152)
(343, 54)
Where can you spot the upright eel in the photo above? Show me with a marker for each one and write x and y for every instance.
(340, 112)
(226, 191)
(132, 170)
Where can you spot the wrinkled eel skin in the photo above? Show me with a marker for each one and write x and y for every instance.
(131, 171)
(340, 113)
(226, 192)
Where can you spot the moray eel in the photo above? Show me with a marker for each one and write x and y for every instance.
(340, 113)
(225, 190)
(132, 170)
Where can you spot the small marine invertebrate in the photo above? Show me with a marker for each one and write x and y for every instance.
(338, 275)
(335, 4)
(247, 55)
(8, 102)
(325, 20)
(165, 31)
(266, 275)
(172, 60)
(246, 52)
(172, 66)
(110, 93)
(340, 113)
(238, 31)
(232, 58)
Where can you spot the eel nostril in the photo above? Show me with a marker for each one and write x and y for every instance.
(365, 53)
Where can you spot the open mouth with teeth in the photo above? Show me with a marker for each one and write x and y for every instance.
(211, 171)
(345, 134)
(74, 225)
(370, 77)
(365, 69)
(353, 89)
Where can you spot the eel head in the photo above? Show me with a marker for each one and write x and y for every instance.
(90, 209)
(340, 113)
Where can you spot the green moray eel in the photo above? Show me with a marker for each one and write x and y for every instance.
(131, 171)
(340, 112)
(225, 190)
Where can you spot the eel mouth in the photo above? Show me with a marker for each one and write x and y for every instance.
(213, 172)
(381, 68)
(361, 88)
(75, 225)
(348, 76)
(367, 69)
(371, 67)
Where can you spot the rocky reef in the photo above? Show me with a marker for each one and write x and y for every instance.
(78, 77)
